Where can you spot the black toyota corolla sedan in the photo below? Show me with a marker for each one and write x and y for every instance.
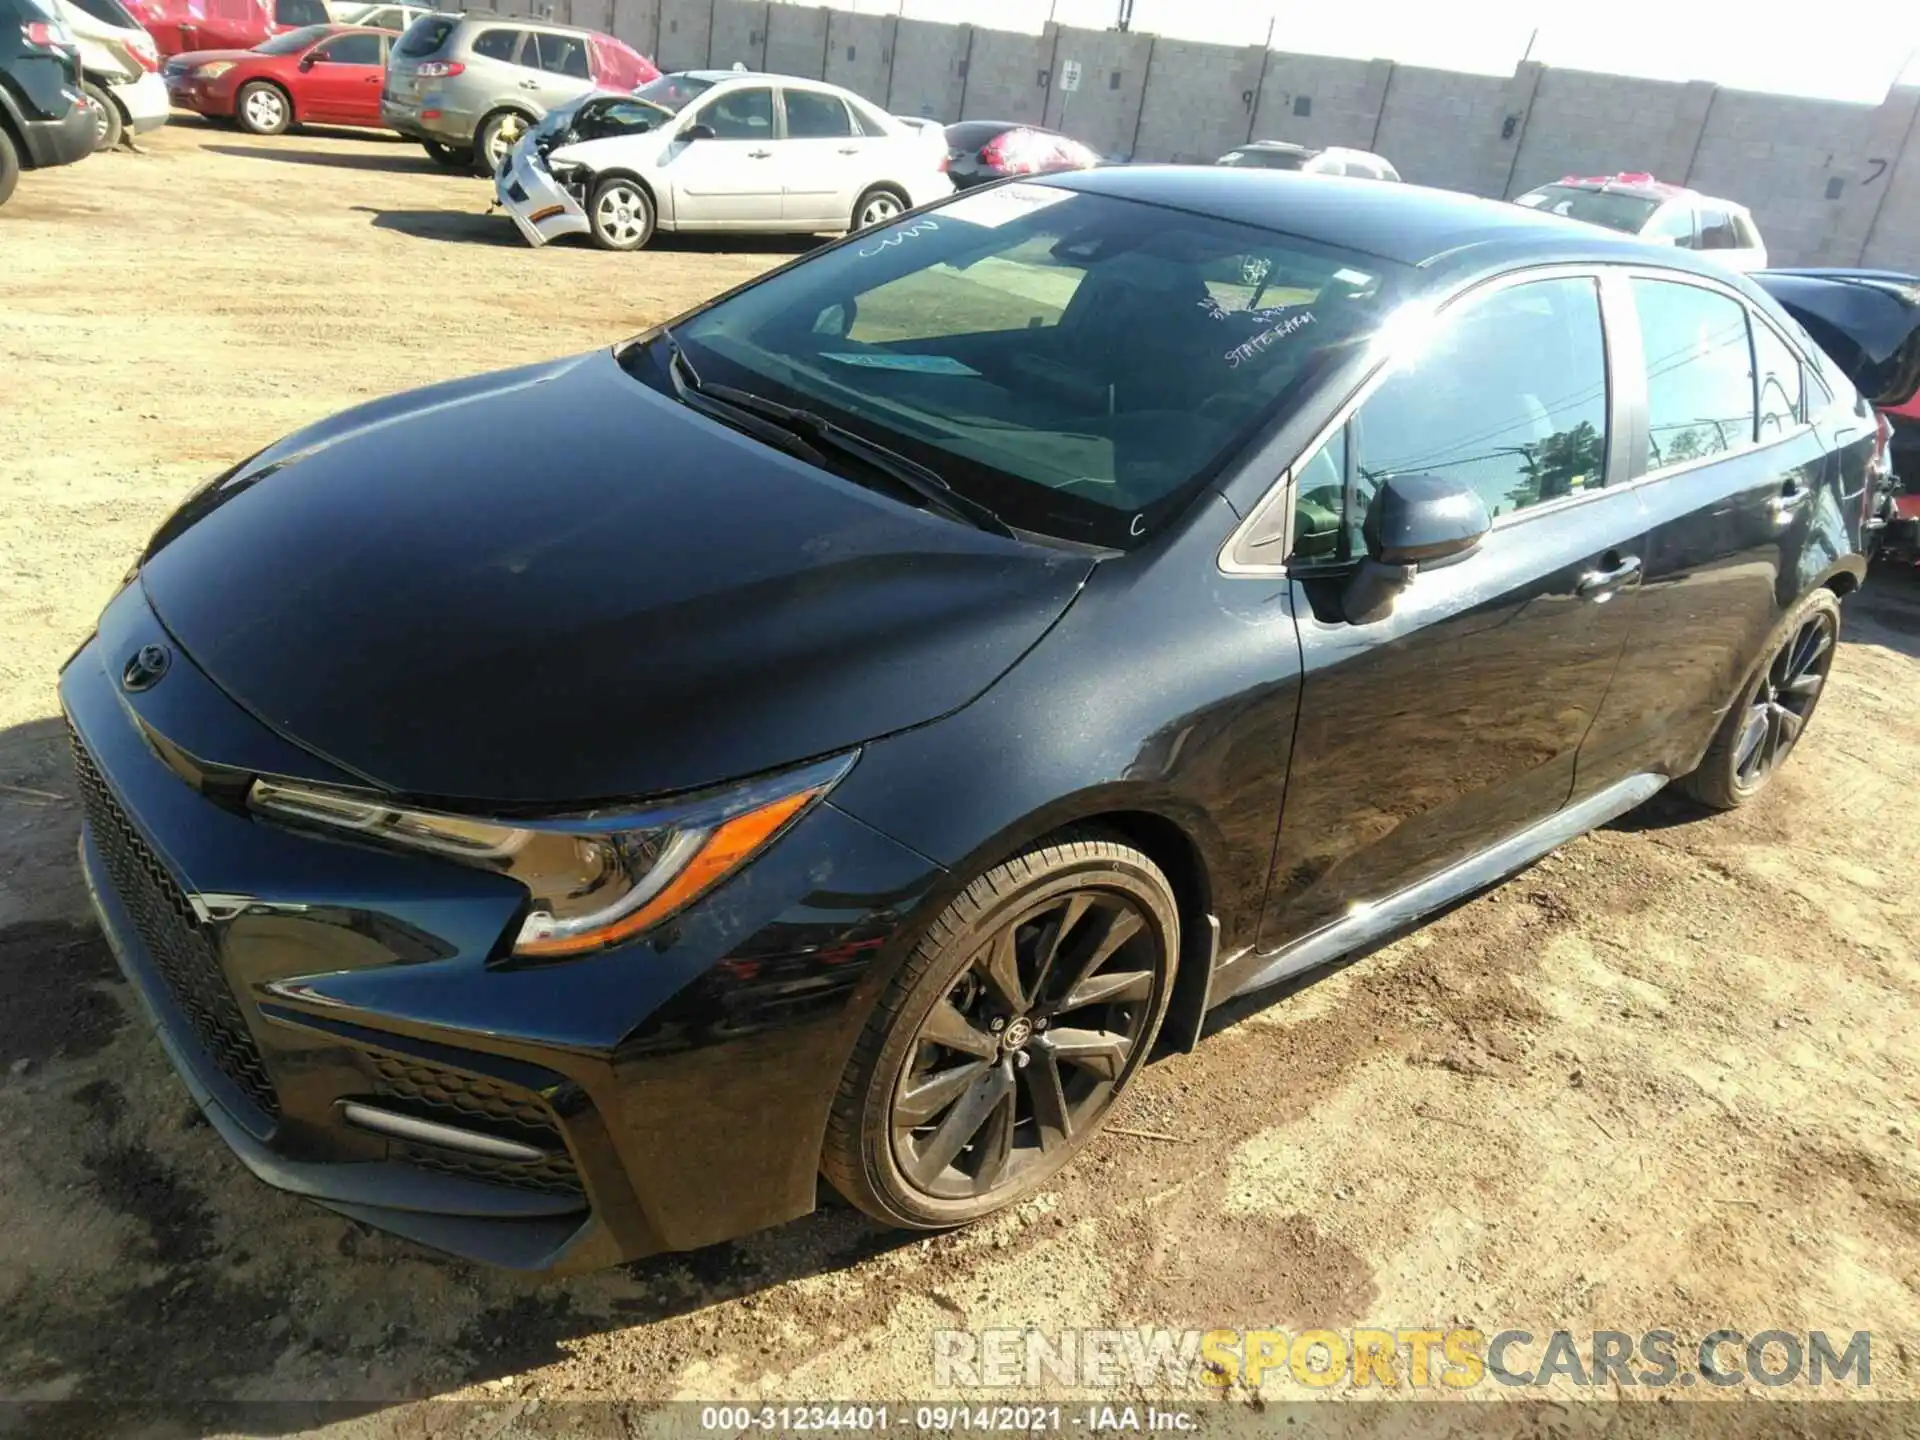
(561, 814)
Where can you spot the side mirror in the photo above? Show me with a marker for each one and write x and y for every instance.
(698, 132)
(1414, 521)
(307, 62)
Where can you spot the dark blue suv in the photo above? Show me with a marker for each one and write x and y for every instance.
(43, 118)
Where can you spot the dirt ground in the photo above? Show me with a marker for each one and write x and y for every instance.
(1669, 1078)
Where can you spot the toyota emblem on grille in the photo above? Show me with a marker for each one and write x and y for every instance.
(144, 670)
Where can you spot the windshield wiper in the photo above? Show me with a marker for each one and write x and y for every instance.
(803, 433)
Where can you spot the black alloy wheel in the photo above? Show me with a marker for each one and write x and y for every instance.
(1008, 1035)
(1760, 732)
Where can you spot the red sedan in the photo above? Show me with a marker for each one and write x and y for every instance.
(323, 75)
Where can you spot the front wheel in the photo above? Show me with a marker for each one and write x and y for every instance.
(262, 109)
(877, 207)
(998, 1050)
(107, 124)
(621, 214)
(1763, 726)
(9, 167)
(496, 140)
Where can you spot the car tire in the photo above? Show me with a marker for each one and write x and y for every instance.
(503, 128)
(108, 124)
(877, 206)
(451, 156)
(963, 1093)
(262, 108)
(9, 165)
(1773, 709)
(620, 213)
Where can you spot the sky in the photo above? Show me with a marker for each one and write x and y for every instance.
(1751, 46)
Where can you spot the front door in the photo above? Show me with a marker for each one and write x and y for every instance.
(342, 87)
(1454, 722)
(1731, 491)
(731, 177)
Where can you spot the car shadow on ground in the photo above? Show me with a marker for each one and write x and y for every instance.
(482, 227)
(405, 159)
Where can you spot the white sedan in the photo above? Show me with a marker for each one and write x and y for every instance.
(715, 150)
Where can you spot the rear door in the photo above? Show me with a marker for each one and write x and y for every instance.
(728, 179)
(342, 85)
(822, 159)
(1732, 475)
(1456, 721)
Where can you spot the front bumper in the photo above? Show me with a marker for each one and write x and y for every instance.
(202, 97)
(542, 208)
(145, 102)
(664, 1095)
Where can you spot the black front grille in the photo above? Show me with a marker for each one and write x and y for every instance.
(174, 937)
(477, 1103)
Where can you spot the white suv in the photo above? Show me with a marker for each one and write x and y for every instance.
(1658, 213)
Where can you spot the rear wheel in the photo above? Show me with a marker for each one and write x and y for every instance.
(621, 214)
(9, 165)
(453, 157)
(999, 1049)
(877, 207)
(498, 135)
(262, 108)
(107, 123)
(1763, 726)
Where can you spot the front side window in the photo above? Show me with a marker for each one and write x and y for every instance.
(350, 50)
(813, 116)
(292, 42)
(740, 115)
(563, 55)
(1778, 369)
(1082, 364)
(497, 44)
(1509, 397)
(1699, 371)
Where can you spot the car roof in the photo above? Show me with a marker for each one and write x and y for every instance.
(1640, 187)
(518, 22)
(1411, 224)
(1284, 147)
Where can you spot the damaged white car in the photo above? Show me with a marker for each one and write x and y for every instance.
(715, 150)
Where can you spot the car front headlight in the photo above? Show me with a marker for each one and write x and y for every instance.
(594, 880)
(213, 69)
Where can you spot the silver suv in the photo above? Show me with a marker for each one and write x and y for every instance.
(468, 86)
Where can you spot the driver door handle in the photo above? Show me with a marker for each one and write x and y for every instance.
(758, 154)
(1791, 497)
(849, 149)
(1600, 585)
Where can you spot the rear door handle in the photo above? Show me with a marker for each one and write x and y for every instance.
(758, 154)
(529, 84)
(1600, 585)
(1790, 499)
(849, 149)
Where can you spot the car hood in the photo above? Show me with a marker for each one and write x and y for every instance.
(186, 60)
(555, 585)
(1868, 321)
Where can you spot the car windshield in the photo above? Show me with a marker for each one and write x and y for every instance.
(1078, 363)
(1265, 159)
(293, 41)
(1626, 213)
(672, 92)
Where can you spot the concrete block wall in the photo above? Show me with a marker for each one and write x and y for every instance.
(1006, 76)
(1584, 123)
(1321, 100)
(1877, 215)
(797, 40)
(860, 53)
(929, 69)
(638, 23)
(1436, 122)
(1199, 100)
(1775, 153)
(739, 34)
(685, 34)
(1105, 111)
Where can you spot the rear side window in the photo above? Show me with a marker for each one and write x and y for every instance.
(1510, 398)
(424, 36)
(1716, 231)
(1778, 369)
(1699, 372)
(867, 122)
(1745, 232)
(563, 54)
(497, 44)
(813, 116)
